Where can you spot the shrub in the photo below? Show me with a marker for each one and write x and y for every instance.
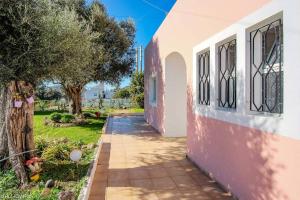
(67, 118)
(56, 117)
(137, 89)
(58, 152)
(41, 144)
(78, 143)
(88, 115)
(61, 140)
(139, 100)
(122, 93)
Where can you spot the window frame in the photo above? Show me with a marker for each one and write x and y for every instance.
(153, 92)
(263, 108)
(224, 44)
(203, 79)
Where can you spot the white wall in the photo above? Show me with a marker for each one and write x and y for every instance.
(175, 96)
(287, 123)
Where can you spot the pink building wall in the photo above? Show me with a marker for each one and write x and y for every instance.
(252, 163)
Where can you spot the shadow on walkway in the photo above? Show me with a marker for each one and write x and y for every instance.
(136, 163)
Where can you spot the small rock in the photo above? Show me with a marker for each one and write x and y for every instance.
(49, 184)
(66, 195)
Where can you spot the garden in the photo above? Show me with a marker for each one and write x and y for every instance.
(57, 135)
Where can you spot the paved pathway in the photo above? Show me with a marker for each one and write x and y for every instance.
(136, 163)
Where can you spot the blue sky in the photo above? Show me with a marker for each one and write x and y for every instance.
(147, 14)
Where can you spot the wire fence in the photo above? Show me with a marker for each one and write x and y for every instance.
(54, 105)
(17, 154)
(49, 105)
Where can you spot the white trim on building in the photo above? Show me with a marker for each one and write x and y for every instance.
(270, 122)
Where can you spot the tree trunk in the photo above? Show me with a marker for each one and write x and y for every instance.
(3, 134)
(70, 106)
(19, 127)
(21, 120)
(74, 93)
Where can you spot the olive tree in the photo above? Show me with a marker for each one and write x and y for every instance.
(23, 62)
(73, 70)
(110, 56)
(35, 39)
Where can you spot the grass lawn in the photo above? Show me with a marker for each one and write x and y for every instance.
(88, 133)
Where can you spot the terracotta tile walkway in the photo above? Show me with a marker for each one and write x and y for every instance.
(136, 163)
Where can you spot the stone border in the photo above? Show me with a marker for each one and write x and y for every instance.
(85, 191)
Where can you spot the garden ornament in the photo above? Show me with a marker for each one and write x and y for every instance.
(18, 103)
(35, 177)
(30, 165)
(30, 100)
(75, 155)
(98, 114)
(50, 184)
(34, 164)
